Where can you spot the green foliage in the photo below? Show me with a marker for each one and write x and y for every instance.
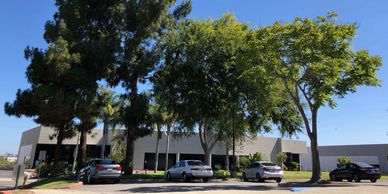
(281, 157)
(46, 169)
(314, 61)
(292, 166)
(217, 167)
(5, 164)
(344, 160)
(258, 156)
(243, 161)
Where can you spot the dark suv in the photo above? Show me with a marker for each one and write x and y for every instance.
(356, 171)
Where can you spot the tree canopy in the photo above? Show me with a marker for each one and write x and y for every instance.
(316, 64)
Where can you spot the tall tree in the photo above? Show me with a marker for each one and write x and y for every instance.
(315, 62)
(198, 57)
(109, 105)
(157, 121)
(141, 23)
(91, 31)
(87, 113)
(204, 80)
(51, 100)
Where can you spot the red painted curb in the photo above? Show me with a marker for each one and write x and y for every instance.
(6, 192)
(76, 185)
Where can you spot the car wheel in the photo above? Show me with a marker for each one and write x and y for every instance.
(244, 176)
(350, 180)
(356, 178)
(258, 177)
(79, 177)
(205, 180)
(278, 180)
(332, 177)
(373, 180)
(89, 179)
(184, 177)
(168, 176)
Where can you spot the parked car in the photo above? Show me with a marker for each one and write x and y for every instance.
(262, 171)
(100, 169)
(356, 171)
(190, 169)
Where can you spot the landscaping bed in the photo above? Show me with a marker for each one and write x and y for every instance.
(53, 183)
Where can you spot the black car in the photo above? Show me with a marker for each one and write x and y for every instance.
(356, 171)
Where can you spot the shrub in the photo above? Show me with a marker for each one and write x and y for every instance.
(281, 157)
(5, 164)
(46, 169)
(258, 156)
(292, 166)
(243, 162)
(344, 160)
(217, 167)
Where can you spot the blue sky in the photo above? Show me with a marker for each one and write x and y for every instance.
(360, 118)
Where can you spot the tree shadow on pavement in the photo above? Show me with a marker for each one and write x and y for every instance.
(188, 188)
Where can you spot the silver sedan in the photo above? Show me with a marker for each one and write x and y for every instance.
(190, 169)
(262, 170)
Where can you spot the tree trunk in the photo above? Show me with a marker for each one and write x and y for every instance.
(167, 147)
(58, 148)
(132, 126)
(157, 148)
(316, 174)
(207, 157)
(82, 149)
(104, 137)
(316, 171)
(128, 166)
(226, 157)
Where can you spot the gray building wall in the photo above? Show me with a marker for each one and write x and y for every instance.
(185, 145)
(360, 152)
(191, 145)
(28, 145)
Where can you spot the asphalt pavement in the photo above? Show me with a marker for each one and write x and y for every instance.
(237, 187)
(6, 180)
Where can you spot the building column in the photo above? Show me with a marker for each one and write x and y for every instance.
(178, 156)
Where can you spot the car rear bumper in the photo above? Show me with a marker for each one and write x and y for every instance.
(200, 174)
(272, 175)
(107, 176)
(370, 176)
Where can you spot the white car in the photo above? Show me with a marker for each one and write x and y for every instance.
(190, 169)
(263, 170)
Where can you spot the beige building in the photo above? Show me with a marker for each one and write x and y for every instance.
(36, 144)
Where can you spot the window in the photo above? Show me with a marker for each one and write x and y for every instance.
(268, 164)
(106, 162)
(195, 163)
(341, 167)
(181, 164)
(363, 165)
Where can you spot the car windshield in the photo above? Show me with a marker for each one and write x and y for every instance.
(268, 164)
(363, 165)
(106, 162)
(195, 163)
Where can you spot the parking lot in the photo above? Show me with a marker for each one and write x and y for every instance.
(229, 187)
